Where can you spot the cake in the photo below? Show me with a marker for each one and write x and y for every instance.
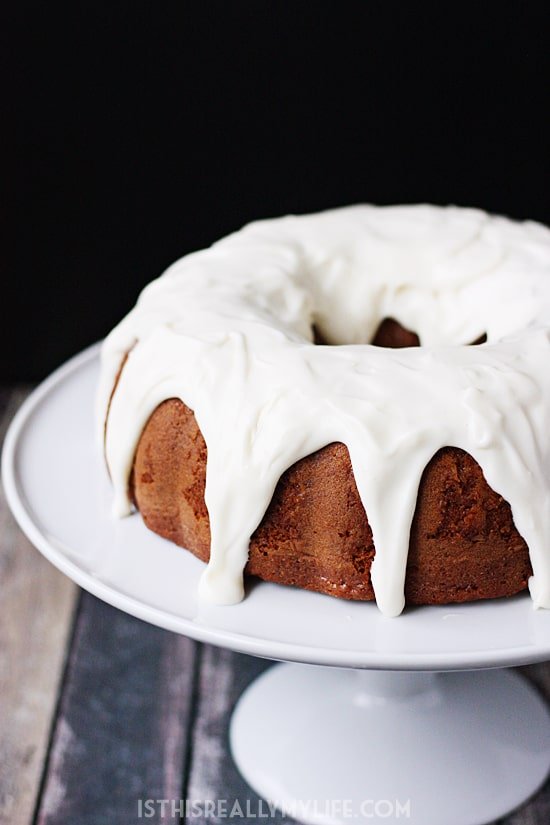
(354, 402)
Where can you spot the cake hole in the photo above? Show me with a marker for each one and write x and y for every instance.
(317, 337)
(392, 335)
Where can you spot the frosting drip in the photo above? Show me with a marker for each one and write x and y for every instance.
(228, 330)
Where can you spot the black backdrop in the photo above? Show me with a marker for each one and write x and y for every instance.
(135, 132)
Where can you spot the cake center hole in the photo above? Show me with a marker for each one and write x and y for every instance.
(393, 335)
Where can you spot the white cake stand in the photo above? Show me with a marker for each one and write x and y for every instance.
(408, 724)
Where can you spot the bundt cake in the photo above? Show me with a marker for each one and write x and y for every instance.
(355, 402)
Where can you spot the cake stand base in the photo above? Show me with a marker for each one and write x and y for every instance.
(328, 745)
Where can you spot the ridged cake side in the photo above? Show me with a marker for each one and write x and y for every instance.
(315, 533)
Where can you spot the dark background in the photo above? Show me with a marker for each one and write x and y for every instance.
(136, 132)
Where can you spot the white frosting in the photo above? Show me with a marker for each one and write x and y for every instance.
(228, 330)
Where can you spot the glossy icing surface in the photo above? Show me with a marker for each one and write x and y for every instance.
(229, 331)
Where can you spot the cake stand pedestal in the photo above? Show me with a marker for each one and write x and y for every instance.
(329, 745)
(407, 724)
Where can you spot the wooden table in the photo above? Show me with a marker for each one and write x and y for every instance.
(99, 710)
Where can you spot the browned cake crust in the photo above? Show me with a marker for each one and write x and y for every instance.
(315, 533)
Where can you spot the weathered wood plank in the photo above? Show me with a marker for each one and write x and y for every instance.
(36, 609)
(213, 775)
(122, 730)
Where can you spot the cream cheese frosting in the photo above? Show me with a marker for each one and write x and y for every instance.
(229, 331)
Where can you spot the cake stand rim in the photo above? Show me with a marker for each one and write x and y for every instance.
(264, 648)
